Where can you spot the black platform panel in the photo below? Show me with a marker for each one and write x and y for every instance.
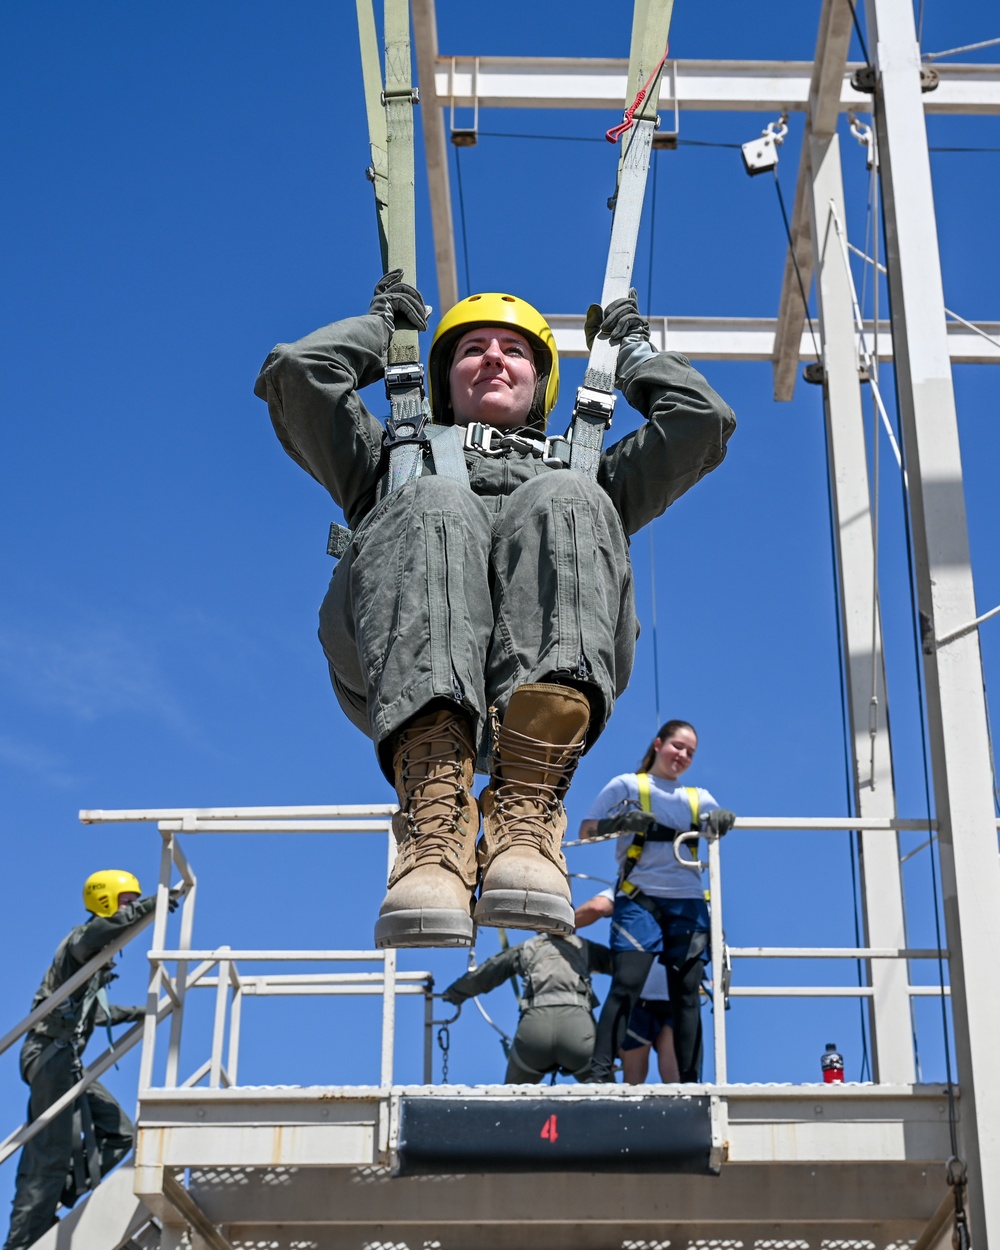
(463, 1135)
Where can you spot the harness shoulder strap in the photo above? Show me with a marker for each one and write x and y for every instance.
(447, 452)
(638, 843)
(695, 803)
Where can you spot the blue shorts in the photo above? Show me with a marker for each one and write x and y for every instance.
(681, 926)
(649, 1016)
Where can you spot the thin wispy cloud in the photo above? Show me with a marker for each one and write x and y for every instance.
(36, 762)
(90, 672)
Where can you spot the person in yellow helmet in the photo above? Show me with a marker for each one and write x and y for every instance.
(481, 616)
(72, 1153)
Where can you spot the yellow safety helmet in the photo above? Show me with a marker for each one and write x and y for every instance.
(101, 890)
(492, 308)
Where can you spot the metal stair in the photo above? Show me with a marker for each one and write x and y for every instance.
(110, 1218)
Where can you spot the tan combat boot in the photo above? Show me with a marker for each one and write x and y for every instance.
(432, 885)
(525, 883)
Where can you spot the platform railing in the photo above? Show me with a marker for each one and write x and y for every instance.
(232, 985)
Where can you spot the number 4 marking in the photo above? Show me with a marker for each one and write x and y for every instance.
(549, 1129)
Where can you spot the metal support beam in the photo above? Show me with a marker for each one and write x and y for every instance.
(170, 1201)
(435, 152)
(753, 338)
(825, 89)
(728, 86)
(874, 794)
(960, 755)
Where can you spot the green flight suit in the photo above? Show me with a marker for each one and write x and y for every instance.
(556, 1029)
(87, 1139)
(457, 594)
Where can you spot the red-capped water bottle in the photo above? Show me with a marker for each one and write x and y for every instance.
(832, 1063)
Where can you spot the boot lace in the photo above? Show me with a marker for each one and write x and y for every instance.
(433, 822)
(527, 808)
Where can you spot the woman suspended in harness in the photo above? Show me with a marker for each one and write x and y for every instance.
(556, 1028)
(660, 912)
(481, 615)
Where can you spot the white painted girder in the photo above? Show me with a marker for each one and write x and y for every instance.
(752, 338)
(736, 86)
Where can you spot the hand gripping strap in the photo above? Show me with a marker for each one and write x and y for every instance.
(406, 437)
(650, 27)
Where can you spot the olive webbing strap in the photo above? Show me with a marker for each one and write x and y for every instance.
(378, 170)
(404, 375)
(595, 400)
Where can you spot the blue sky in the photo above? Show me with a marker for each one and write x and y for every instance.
(185, 188)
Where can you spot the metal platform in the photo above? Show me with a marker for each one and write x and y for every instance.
(315, 1168)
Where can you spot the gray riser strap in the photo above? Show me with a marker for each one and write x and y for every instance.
(595, 399)
(378, 171)
(408, 408)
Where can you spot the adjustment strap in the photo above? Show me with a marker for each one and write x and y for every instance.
(595, 400)
(378, 171)
(404, 375)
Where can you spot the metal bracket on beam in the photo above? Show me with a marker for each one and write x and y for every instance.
(865, 79)
(171, 1203)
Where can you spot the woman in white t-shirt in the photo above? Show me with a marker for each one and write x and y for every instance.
(660, 909)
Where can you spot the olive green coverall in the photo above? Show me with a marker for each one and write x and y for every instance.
(556, 1029)
(86, 1140)
(447, 593)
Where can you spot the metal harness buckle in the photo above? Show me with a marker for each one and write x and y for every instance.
(493, 442)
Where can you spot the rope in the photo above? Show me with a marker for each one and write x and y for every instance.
(873, 708)
(795, 262)
(652, 553)
(506, 1041)
(917, 651)
(969, 47)
(616, 132)
(845, 725)
(461, 213)
(861, 38)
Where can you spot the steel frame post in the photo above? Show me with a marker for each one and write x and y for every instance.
(956, 708)
(874, 793)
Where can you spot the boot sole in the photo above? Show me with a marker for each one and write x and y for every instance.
(424, 926)
(525, 909)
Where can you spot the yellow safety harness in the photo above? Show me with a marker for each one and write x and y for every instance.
(634, 852)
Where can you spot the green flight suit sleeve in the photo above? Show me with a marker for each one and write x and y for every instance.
(497, 969)
(599, 958)
(684, 437)
(97, 933)
(311, 388)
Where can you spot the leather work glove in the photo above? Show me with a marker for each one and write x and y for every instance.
(451, 995)
(627, 822)
(719, 822)
(396, 301)
(174, 898)
(620, 321)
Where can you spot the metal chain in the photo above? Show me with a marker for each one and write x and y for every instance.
(444, 1041)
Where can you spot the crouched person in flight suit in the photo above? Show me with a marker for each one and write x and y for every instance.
(481, 616)
(85, 1141)
(556, 1030)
